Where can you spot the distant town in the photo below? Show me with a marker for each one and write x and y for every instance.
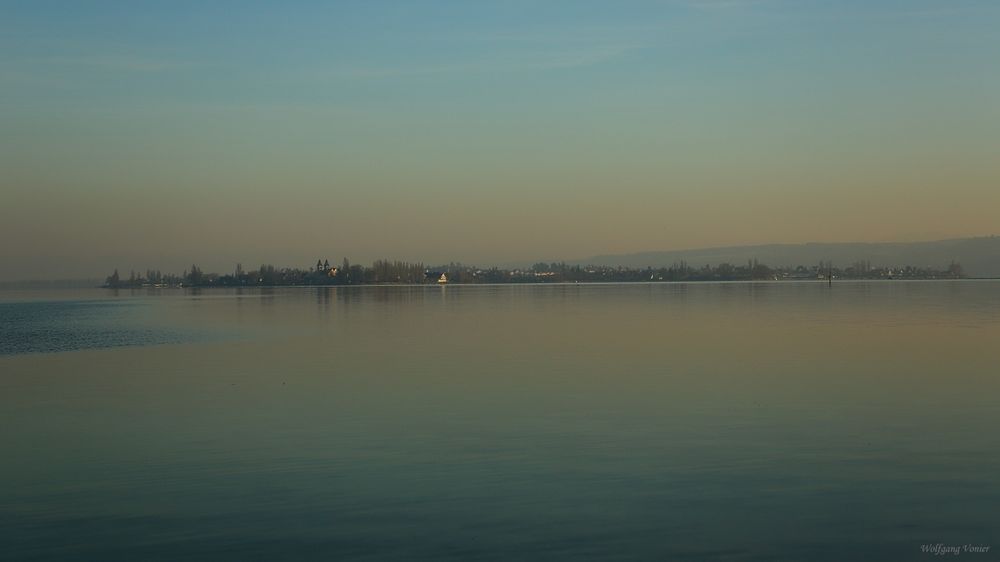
(405, 273)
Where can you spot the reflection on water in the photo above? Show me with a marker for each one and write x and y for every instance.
(665, 421)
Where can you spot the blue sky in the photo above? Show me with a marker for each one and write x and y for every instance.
(487, 131)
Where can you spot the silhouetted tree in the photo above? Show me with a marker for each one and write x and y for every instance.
(195, 276)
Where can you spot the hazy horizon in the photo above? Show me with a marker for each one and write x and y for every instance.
(160, 135)
(176, 267)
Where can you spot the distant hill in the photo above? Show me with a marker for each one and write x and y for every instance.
(980, 257)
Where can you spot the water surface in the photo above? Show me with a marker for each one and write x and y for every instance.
(734, 421)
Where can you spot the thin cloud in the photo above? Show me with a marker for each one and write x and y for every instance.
(725, 4)
(118, 62)
(519, 61)
(592, 35)
(521, 49)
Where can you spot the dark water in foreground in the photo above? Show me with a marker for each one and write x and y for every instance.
(780, 421)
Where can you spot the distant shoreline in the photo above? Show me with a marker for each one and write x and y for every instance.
(384, 272)
(550, 284)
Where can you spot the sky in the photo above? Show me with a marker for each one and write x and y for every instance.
(142, 134)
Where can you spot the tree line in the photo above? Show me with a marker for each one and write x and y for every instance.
(381, 271)
(402, 272)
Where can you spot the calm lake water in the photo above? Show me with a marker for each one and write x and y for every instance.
(734, 421)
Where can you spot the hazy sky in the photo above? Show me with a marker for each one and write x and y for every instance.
(138, 134)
